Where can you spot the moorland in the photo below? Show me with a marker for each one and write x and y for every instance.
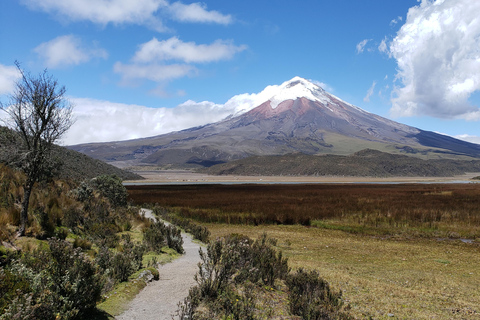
(394, 250)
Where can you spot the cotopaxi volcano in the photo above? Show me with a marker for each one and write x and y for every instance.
(300, 117)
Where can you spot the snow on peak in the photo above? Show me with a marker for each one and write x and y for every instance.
(289, 90)
(298, 88)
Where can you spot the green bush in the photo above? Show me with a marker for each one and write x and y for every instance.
(10, 284)
(120, 265)
(157, 235)
(63, 284)
(61, 233)
(228, 272)
(83, 244)
(311, 298)
(45, 222)
(111, 187)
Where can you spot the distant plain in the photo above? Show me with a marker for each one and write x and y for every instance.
(186, 176)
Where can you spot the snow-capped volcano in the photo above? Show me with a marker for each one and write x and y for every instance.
(297, 116)
(298, 88)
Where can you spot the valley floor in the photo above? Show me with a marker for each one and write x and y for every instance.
(187, 177)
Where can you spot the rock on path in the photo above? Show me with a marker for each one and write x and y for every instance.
(160, 298)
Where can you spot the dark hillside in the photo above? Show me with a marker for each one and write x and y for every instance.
(364, 163)
(74, 165)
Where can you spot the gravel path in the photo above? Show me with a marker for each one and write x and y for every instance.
(159, 299)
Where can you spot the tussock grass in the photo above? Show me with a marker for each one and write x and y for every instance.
(410, 210)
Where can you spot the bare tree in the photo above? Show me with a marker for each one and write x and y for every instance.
(40, 114)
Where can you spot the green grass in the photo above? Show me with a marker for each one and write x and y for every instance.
(118, 299)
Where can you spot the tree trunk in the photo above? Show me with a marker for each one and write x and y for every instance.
(24, 213)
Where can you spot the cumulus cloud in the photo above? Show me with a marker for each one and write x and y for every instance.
(197, 12)
(67, 50)
(175, 49)
(8, 77)
(370, 92)
(150, 60)
(361, 45)
(140, 12)
(438, 57)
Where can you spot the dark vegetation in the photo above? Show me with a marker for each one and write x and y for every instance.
(365, 163)
(236, 273)
(427, 210)
(78, 245)
(69, 164)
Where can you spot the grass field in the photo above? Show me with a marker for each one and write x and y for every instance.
(396, 251)
(409, 279)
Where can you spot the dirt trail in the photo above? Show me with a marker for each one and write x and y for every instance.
(159, 299)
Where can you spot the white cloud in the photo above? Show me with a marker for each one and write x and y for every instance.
(468, 138)
(175, 49)
(153, 72)
(323, 85)
(140, 12)
(98, 121)
(149, 62)
(397, 20)
(67, 50)
(383, 46)
(370, 92)
(361, 45)
(438, 57)
(8, 77)
(197, 12)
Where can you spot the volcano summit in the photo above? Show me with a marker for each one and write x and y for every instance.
(299, 117)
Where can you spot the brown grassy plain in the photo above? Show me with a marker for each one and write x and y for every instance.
(396, 251)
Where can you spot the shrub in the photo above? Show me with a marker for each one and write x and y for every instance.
(311, 298)
(72, 217)
(227, 274)
(61, 233)
(46, 224)
(157, 235)
(267, 264)
(9, 284)
(63, 283)
(215, 270)
(83, 244)
(122, 264)
(84, 192)
(111, 187)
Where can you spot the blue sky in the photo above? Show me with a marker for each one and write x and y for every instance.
(146, 67)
